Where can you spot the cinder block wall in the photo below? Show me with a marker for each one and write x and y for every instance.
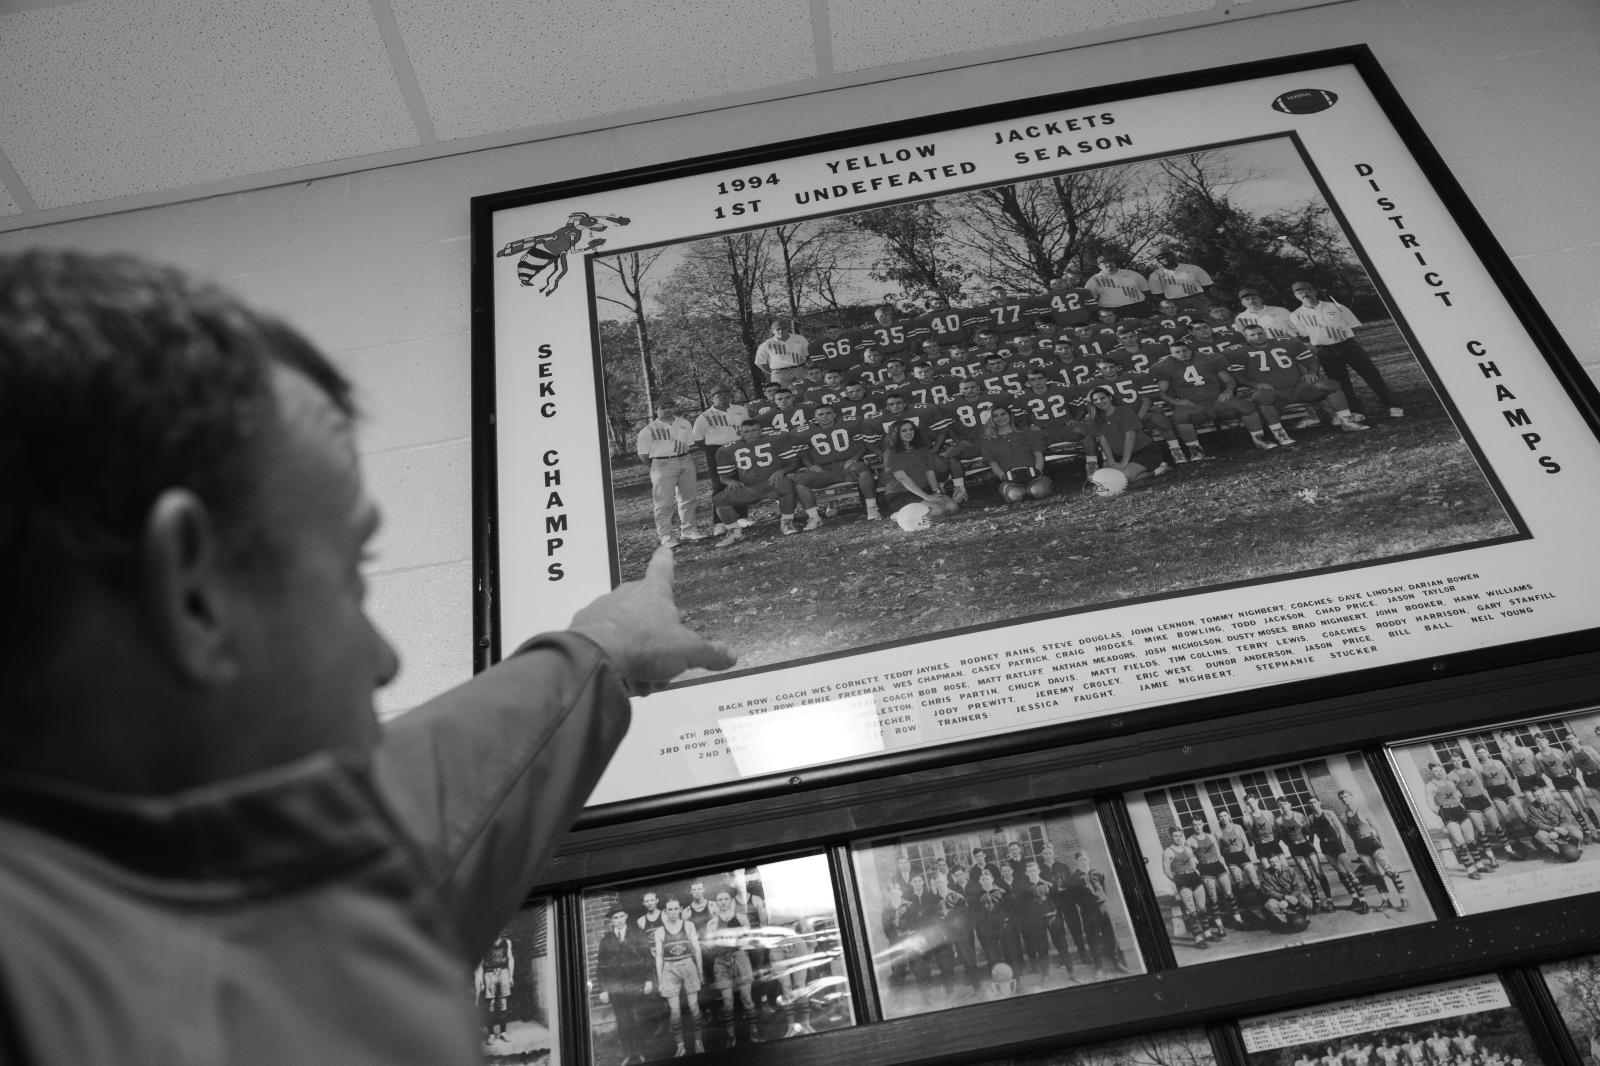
(374, 265)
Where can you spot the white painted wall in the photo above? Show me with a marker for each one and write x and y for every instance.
(374, 265)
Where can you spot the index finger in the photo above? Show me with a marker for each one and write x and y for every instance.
(662, 568)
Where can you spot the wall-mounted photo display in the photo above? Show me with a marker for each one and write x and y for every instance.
(1185, 1047)
(1275, 856)
(713, 959)
(1575, 987)
(516, 988)
(985, 910)
(1511, 811)
(1025, 416)
(1471, 1021)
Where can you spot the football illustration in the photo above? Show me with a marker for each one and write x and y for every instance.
(1304, 101)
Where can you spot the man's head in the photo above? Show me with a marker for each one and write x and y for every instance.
(749, 431)
(184, 509)
(697, 891)
(894, 403)
(619, 919)
(872, 355)
(720, 398)
(783, 398)
(665, 407)
(1181, 351)
(1251, 299)
(651, 900)
(1168, 309)
(1167, 258)
(780, 329)
(833, 379)
(825, 415)
(1304, 291)
(884, 313)
(855, 392)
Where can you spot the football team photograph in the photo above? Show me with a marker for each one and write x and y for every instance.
(1470, 1022)
(1264, 858)
(1512, 812)
(983, 910)
(1016, 402)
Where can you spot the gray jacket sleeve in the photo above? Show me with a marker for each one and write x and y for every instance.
(487, 778)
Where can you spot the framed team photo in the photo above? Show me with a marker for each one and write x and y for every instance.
(517, 990)
(988, 910)
(713, 959)
(1275, 856)
(1471, 1022)
(1511, 811)
(1020, 417)
(1186, 1047)
(1574, 985)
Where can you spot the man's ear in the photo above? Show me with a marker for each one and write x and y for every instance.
(188, 588)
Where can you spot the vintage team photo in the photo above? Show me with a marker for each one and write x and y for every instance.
(713, 959)
(515, 986)
(1184, 1047)
(986, 910)
(1575, 987)
(1260, 859)
(1512, 812)
(1471, 1022)
(1013, 402)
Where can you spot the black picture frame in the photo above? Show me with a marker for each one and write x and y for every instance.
(1348, 689)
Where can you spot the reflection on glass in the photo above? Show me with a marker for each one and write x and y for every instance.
(985, 910)
(713, 960)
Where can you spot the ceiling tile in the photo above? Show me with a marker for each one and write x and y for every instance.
(486, 66)
(100, 99)
(878, 33)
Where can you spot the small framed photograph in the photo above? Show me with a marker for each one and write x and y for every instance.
(517, 990)
(1184, 1047)
(1575, 987)
(1512, 811)
(987, 910)
(1274, 856)
(1470, 1021)
(713, 959)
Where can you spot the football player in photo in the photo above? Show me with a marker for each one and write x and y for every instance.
(1475, 798)
(679, 970)
(1182, 870)
(833, 454)
(1283, 374)
(1329, 837)
(1445, 799)
(1201, 392)
(1214, 873)
(1296, 836)
(754, 469)
(1363, 833)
